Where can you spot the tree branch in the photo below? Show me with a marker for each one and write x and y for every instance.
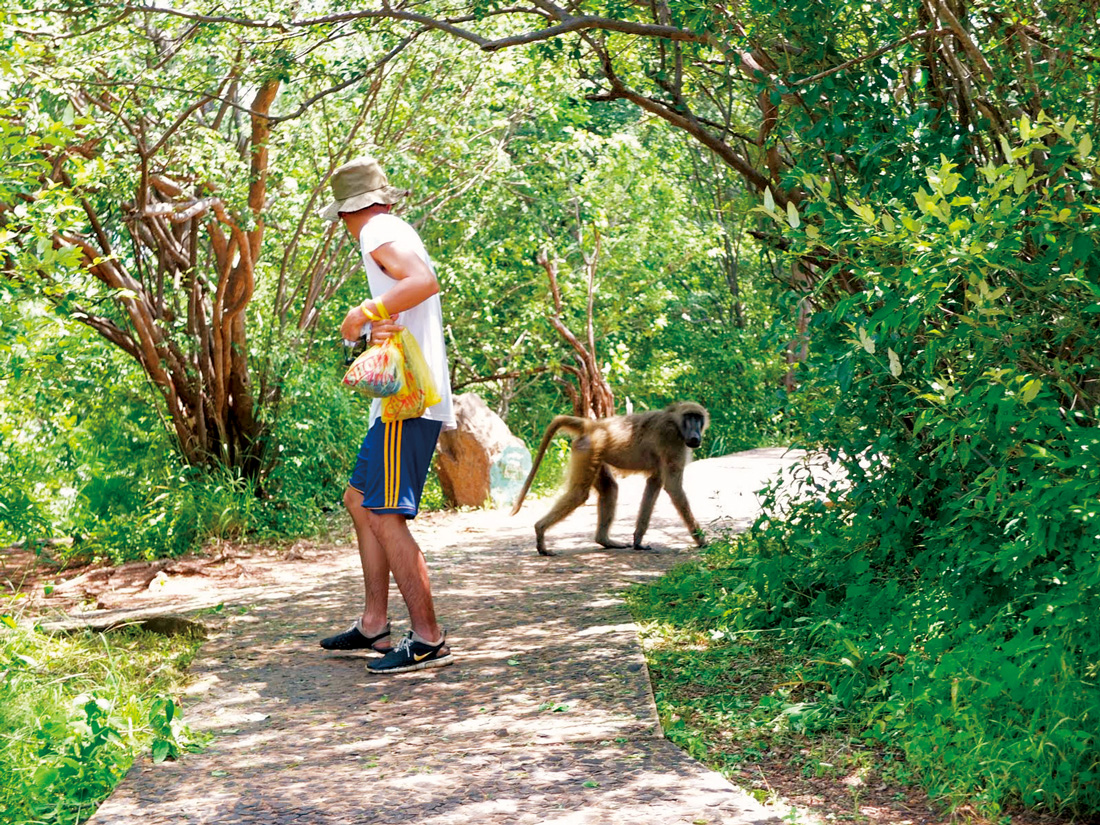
(847, 64)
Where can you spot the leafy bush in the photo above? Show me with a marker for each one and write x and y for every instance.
(123, 519)
(313, 444)
(949, 580)
(83, 453)
(74, 712)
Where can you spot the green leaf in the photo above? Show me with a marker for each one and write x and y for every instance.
(924, 203)
(769, 199)
(895, 362)
(160, 750)
(44, 777)
(1019, 182)
(1031, 390)
(865, 212)
(792, 215)
(1084, 148)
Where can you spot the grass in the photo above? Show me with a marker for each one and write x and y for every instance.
(77, 708)
(735, 700)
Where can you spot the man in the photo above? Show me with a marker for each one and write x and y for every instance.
(384, 491)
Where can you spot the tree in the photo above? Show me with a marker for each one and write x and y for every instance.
(164, 162)
(591, 394)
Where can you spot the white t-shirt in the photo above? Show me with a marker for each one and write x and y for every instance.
(424, 321)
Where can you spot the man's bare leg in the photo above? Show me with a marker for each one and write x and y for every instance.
(410, 571)
(376, 570)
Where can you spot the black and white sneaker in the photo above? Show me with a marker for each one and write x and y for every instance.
(413, 653)
(354, 639)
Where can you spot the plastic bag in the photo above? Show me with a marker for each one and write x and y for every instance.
(418, 390)
(380, 371)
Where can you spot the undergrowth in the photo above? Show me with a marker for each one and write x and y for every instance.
(742, 699)
(753, 660)
(75, 711)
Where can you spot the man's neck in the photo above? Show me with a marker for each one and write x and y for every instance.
(355, 221)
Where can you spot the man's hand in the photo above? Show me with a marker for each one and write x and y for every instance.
(353, 324)
(386, 328)
(379, 330)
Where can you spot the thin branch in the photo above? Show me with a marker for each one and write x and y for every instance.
(179, 121)
(501, 376)
(871, 56)
(378, 65)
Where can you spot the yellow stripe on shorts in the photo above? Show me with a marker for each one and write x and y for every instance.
(397, 461)
(387, 476)
(391, 462)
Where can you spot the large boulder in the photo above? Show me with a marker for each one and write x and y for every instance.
(481, 460)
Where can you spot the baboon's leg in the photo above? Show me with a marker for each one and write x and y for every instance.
(673, 479)
(582, 472)
(608, 491)
(649, 498)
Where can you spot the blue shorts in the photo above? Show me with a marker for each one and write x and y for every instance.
(393, 464)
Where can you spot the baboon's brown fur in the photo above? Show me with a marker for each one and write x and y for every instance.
(653, 442)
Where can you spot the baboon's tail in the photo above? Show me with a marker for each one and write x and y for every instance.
(567, 422)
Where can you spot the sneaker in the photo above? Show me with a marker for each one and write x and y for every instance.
(413, 653)
(353, 639)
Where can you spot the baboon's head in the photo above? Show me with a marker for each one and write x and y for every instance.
(693, 420)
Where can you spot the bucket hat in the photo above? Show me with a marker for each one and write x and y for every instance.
(358, 184)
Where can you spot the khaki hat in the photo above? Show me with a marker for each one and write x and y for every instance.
(358, 184)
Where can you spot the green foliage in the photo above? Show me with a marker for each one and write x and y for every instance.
(946, 570)
(314, 441)
(508, 159)
(662, 314)
(84, 454)
(739, 698)
(75, 711)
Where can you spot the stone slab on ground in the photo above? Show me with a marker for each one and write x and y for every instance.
(547, 717)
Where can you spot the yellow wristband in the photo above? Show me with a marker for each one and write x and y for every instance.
(371, 314)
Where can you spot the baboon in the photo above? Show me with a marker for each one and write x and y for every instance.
(658, 443)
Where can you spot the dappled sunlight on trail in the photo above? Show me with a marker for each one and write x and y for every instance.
(546, 717)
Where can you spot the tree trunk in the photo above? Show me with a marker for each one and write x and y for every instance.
(203, 374)
(591, 394)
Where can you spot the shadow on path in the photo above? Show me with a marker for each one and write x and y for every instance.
(547, 717)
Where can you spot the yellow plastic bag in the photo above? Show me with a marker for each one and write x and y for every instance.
(380, 371)
(418, 390)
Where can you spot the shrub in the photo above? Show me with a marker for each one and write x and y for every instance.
(948, 583)
(75, 711)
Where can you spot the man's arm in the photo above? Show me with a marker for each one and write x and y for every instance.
(415, 284)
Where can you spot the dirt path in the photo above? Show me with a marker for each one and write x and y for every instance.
(547, 717)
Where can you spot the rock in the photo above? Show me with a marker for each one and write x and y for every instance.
(480, 460)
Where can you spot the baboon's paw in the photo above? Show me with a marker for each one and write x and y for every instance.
(611, 544)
